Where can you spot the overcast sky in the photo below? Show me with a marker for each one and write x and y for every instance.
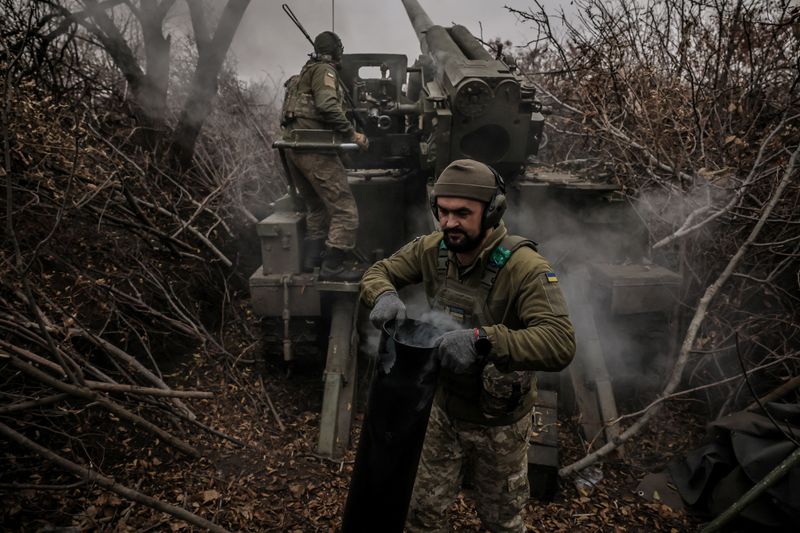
(269, 45)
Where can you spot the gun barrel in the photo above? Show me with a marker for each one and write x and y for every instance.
(468, 43)
(434, 40)
(419, 19)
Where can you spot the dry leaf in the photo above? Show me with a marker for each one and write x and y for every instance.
(209, 495)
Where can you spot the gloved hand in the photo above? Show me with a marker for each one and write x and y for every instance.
(361, 140)
(388, 306)
(456, 351)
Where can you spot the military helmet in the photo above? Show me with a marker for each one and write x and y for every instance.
(467, 178)
(328, 43)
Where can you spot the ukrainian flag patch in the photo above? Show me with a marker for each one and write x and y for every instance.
(551, 277)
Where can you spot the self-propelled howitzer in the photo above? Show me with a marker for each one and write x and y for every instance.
(474, 104)
(456, 101)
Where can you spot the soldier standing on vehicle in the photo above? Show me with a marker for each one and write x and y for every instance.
(314, 100)
(515, 322)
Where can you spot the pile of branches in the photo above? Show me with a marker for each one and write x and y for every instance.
(113, 265)
(694, 109)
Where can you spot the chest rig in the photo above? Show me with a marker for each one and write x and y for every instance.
(497, 394)
(466, 300)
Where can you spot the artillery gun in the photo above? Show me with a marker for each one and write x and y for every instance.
(457, 101)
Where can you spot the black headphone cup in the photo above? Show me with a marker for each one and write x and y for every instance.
(497, 205)
(494, 211)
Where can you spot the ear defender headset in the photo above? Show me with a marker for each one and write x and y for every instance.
(497, 205)
(494, 208)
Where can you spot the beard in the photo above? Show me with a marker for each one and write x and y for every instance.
(459, 242)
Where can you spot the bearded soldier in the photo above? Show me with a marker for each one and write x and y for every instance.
(314, 100)
(514, 322)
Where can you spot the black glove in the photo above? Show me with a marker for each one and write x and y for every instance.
(457, 353)
(387, 307)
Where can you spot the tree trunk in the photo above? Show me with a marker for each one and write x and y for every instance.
(148, 87)
(151, 96)
(204, 84)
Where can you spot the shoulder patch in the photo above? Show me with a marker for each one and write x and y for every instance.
(500, 256)
(551, 277)
(330, 80)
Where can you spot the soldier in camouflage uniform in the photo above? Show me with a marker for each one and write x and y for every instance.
(314, 100)
(515, 322)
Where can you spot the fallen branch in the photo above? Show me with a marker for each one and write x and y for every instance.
(133, 363)
(36, 486)
(684, 392)
(105, 402)
(271, 406)
(757, 490)
(191, 229)
(30, 404)
(209, 429)
(108, 483)
(776, 393)
(149, 391)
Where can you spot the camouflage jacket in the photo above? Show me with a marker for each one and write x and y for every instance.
(314, 100)
(531, 329)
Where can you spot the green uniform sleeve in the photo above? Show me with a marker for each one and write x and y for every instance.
(393, 273)
(325, 87)
(547, 340)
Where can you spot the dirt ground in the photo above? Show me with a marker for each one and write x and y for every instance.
(276, 481)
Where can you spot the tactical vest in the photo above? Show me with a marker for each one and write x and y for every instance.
(299, 99)
(499, 395)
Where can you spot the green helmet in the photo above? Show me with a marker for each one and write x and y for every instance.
(328, 43)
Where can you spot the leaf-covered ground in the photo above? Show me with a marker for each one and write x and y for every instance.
(277, 482)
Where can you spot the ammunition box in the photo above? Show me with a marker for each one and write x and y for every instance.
(281, 236)
(267, 294)
(631, 289)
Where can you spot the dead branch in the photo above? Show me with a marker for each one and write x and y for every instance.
(41, 486)
(689, 226)
(202, 238)
(663, 398)
(133, 364)
(211, 430)
(776, 393)
(93, 476)
(694, 326)
(148, 391)
(271, 406)
(105, 402)
(31, 404)
(751, 495)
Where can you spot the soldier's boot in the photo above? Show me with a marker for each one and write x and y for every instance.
(312, 253)
(334, 267)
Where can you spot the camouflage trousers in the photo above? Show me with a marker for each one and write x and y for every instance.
(498, 459)
(331, 212)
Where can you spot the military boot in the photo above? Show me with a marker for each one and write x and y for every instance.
(335, 269)
(312, 253)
